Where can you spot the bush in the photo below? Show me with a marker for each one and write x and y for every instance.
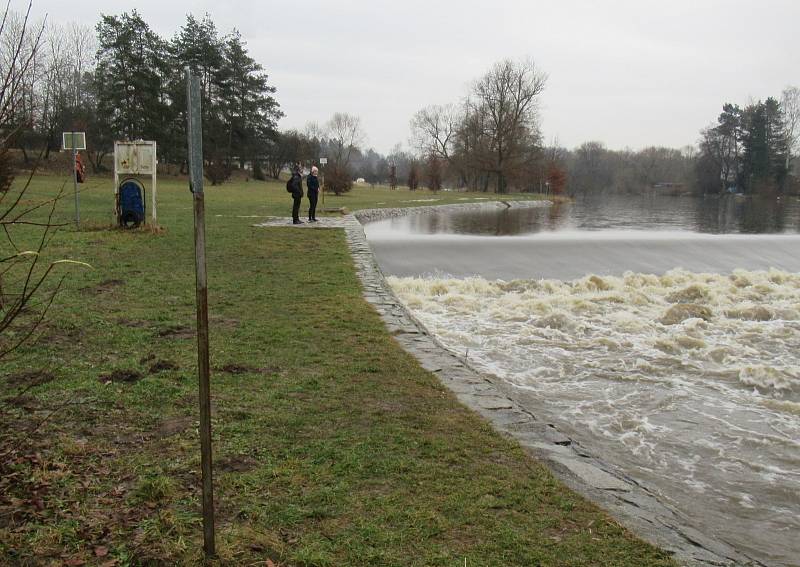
(217, 171)
(338, 179)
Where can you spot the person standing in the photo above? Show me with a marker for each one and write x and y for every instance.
(295, 187)
(312, 182)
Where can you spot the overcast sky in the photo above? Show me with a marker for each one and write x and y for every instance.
(630, 73)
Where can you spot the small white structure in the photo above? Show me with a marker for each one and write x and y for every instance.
(135, 158)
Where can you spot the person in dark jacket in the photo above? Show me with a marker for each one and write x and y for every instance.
(312, 182)
(296, 185)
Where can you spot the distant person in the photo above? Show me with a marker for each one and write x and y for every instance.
(80, 169)
(312, 182)
(295, 187)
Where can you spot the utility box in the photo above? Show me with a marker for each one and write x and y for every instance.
(131, 159)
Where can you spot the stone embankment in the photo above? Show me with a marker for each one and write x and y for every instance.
(632, 504)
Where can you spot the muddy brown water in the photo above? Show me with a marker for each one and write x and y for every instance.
(661, 332)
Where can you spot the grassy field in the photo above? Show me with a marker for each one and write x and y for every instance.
(332, 446)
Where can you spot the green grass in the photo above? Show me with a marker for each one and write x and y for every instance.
(332, 446)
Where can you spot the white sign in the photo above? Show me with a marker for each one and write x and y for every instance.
(323, 160)
(135, 158)
(73, 140)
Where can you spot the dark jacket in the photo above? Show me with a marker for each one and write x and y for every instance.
(296, 183)
(312, 182)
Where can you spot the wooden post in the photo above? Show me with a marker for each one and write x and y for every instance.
(203, 369)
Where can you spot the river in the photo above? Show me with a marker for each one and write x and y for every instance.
(662, 332)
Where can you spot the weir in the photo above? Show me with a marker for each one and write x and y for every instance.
(581, 467)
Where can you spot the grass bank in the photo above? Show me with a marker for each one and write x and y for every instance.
(332, 445)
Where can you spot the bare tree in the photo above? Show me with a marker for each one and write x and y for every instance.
(506, 98)
(433, 172)
(345, 134)
(434, 128)
(314, 131)
(20, 40)
(25, 290)
(790, 108)
(413, 175)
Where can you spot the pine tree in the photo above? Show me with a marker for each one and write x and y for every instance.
(764, 143)
(132, 64)
(250, 111)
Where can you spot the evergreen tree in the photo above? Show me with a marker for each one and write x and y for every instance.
(747, 148)
(132, 64)
(239, 111)
(250, 111)
(764, 144)
(197, 45)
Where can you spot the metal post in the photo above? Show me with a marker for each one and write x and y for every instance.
(116, 186)
(155, 187)
(75, 182)
(203, 370)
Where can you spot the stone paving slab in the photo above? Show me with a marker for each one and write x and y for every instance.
(592, 475)
(633, 505)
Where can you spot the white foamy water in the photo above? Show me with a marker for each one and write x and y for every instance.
(690, 382)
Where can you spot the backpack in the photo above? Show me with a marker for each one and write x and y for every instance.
(289, 185)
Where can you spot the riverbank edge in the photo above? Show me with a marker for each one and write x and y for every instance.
(632, 504)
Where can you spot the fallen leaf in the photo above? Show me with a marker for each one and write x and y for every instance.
(270, 563)
(100, 551)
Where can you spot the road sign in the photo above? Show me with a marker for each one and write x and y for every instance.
(73, 140)
(323, 161)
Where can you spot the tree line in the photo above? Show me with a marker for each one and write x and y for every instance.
(124, 81)
(121, 80)
(749, 150)
(491, 142)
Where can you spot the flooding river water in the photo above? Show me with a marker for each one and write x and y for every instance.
(661, 332)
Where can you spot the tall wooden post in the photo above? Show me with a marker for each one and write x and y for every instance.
(203, 369)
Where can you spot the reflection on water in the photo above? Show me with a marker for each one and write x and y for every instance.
(607, 236)
(715, 215)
